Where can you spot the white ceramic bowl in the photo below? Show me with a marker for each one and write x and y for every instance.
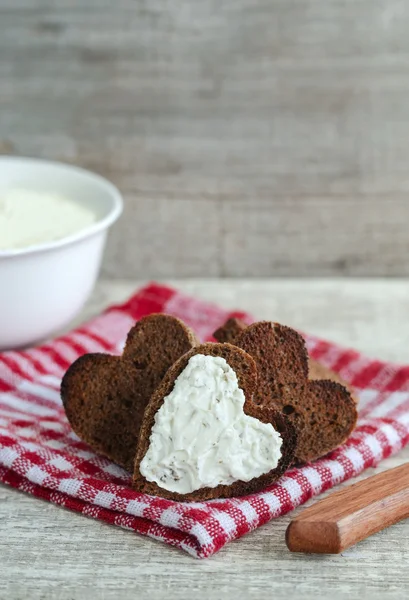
(43, 287)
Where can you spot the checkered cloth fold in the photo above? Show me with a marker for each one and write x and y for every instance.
(40, 455)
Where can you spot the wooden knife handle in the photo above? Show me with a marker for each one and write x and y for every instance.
(352, 514)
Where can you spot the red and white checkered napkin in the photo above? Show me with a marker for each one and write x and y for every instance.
(39, 453)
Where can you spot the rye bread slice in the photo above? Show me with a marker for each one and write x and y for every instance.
(105, 396)
(230, 330)
(319, 371)
(233, 327)
(323, 411)
(246, 371)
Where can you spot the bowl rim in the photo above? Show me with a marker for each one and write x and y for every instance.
(99, 225)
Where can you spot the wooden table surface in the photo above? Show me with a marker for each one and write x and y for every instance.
(278, 129)
(49, 552)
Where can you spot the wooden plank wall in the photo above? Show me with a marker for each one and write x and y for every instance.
(249, 137)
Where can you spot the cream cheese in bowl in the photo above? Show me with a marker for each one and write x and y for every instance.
(54, 220)
(30, 217)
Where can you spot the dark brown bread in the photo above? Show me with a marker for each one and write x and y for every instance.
(230, 330)
(233, 327)
(246, 371)
(323, 411)
(320, 371)
(105, 396)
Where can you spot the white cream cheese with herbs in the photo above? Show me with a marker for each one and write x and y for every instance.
(201, 436)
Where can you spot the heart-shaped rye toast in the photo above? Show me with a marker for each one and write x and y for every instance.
(203, 437)
(322, 411)
(316, 370)
(105, 396)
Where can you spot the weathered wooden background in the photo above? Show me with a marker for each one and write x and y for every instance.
(249, 137)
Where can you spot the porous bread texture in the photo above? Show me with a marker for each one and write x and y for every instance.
(316, 370)
(105, 396)
(319, 371)
(323, 411)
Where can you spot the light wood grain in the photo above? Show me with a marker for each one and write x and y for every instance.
(47, 552)
(350, 515)
(366, 314)
(250, 138)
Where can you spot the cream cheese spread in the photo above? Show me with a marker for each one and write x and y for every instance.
(201, 436)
